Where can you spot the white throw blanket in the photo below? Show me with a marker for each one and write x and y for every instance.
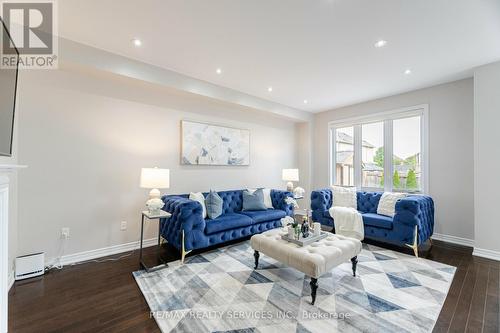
(348, 222)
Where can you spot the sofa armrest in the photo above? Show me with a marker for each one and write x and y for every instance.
(321, 201)
(416, 210)
(186, 216)
(278, 199)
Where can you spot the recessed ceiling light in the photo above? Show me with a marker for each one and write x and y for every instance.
(137, 42)
(218, 71)
(305, 101)
(270, 89)
(381, 43)
(408, 71)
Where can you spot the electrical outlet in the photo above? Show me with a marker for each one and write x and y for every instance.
(123, 226)
(65, 233)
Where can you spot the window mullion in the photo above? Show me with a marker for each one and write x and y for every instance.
(424, 153)
(388, 155)
(333, 156)
(357, 156)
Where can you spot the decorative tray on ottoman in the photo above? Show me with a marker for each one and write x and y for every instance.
(305, 241)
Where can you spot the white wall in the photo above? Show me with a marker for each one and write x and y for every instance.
(487, 159)
(451, 149)
(13, 189)
(303, 143)
(86, 136)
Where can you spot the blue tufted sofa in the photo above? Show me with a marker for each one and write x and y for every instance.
(187, 230)
(412, 225)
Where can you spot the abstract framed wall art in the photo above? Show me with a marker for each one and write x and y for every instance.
(208, 144)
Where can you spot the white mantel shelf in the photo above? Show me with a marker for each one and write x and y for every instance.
(11, 167)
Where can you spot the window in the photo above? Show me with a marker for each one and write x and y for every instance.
(372, 151)
(344, 158)
(385, 152)
(406, 154)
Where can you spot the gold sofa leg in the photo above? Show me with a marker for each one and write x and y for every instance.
(414, 246)
(183, 249)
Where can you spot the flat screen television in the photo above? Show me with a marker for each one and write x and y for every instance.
(8, 88)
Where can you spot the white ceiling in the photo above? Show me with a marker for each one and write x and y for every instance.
(319, 50)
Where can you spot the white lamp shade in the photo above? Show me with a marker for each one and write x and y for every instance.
(155, 178)
(291, 175)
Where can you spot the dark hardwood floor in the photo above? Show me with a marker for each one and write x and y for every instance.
(103, 297)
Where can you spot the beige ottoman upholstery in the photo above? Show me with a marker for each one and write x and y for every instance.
(314, 259)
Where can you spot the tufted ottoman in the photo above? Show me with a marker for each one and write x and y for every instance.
(313, 260)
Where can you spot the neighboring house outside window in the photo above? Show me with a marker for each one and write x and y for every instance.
(345, 158)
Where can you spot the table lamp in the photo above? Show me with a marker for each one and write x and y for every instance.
(155, 178)
(290, 175)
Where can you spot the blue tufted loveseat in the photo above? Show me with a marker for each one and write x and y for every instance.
(187, 230)
(414, 217)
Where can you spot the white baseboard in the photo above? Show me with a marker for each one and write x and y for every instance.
(490, 254)
(98, 253)
(453, 239)
(484, 253)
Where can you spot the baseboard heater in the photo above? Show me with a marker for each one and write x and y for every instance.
(30, 265)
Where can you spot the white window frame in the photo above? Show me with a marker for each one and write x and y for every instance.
(387, 118)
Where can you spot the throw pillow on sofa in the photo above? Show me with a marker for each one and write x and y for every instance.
(344, 197)
(198, 196)
(253, 201)
(213, 203)
(267, 196)
(387, 203)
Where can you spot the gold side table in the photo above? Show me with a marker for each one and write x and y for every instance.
(152, 216)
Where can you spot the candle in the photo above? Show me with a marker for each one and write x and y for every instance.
(317, 228)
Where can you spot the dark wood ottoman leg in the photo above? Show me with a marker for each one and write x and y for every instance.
(314, 288)
(256, 255)
(354, 261)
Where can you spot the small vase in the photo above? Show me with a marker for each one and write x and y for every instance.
(297, 232)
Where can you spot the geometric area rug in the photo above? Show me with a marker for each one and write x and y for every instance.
(219, 291)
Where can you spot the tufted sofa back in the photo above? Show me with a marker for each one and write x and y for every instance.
(232, 201)
(368, 201)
